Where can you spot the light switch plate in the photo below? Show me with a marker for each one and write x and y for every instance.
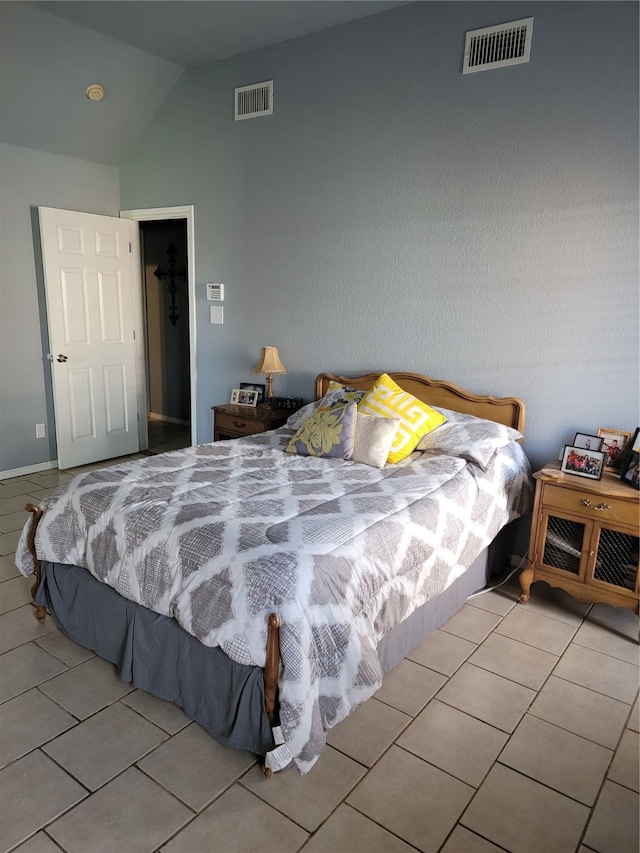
(216, 314)
(215, 291)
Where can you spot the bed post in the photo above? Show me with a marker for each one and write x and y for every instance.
(271, 672)
(36, 513)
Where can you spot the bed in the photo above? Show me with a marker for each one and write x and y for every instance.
(267, 591)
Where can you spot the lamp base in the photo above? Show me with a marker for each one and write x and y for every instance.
(269, 386)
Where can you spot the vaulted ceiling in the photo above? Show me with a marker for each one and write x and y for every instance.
(137, 49)
(192, 32)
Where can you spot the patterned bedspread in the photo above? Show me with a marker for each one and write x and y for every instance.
(220, 535)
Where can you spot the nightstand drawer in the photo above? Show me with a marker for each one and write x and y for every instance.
(231, 421)
(239, 424)
(603, 508)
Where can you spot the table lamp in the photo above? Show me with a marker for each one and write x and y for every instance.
(269, 363)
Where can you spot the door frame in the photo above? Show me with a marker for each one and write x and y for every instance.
(154, 214)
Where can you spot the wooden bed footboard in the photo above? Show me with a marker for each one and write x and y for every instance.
(272, 669)
(271, 672)
(36, 514)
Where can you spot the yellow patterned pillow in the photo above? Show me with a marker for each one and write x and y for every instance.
(387, 400)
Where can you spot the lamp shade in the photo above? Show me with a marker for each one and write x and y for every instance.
(269, 362)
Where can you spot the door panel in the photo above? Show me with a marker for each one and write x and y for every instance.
(75, 318)
(81, 404)
(70, 240)
(115, 397)
(107, 244)
(89, 290)
(110, 308)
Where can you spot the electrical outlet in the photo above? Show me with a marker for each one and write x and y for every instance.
(40, 432)
(216, 314)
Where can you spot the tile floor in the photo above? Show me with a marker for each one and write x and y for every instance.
(164, 436)
(512, 728)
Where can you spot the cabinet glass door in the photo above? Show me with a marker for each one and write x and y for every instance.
(563, 544)
(617, 559)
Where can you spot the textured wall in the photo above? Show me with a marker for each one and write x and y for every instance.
(395, 214)
(30, 179)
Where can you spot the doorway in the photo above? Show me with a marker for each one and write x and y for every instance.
(163, 248)
(167, 355)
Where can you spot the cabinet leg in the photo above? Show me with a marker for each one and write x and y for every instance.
(526, 579)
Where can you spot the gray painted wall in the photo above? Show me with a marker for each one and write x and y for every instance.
(394, 214)
(391, 214)
(30, 179)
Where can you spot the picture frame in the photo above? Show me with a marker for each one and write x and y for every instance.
(581, 462)
(615, 443)
(253, 386)
(587, 442)
(244, 397)
(630, 468)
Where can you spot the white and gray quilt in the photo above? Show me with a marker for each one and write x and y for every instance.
(220, 535)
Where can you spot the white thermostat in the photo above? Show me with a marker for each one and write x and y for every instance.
(215, 291)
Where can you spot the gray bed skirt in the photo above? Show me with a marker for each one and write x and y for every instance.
(226, 698)
(155, 654)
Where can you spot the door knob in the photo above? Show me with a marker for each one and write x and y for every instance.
(61, 358)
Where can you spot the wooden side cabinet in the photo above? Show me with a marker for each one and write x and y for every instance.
(584, 538)
(237, 421)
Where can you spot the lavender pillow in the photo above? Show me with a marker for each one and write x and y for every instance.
(328, 433)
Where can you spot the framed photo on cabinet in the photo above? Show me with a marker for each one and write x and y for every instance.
(582, 462)
(630, 468)
(587, 442)
(244, 397)
(615, 443)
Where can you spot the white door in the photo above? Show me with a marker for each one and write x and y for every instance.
(90, 310)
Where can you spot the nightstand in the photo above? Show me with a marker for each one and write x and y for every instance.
(236, 421)
(584, 538)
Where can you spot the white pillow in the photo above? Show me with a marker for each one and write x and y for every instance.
(374, 437)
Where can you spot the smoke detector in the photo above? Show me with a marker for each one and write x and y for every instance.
(95, 92)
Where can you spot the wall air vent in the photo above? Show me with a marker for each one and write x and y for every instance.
(495, 47)
(253, 101)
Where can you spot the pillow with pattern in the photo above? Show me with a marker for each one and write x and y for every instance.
(328, 433)
(336, 393)
(297, 418)
(468, 437)
(388, 400)
(374, 437)
(339, 393)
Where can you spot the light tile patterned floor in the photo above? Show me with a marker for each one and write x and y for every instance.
(512, 728)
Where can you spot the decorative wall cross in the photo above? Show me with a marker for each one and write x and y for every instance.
(173, 274)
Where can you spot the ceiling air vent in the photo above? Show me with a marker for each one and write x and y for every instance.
(495, 47)
(253, 101)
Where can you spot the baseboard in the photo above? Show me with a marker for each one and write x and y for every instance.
(28, 469)
(154, 416)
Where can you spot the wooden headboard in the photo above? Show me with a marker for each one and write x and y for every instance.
(509, 411)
